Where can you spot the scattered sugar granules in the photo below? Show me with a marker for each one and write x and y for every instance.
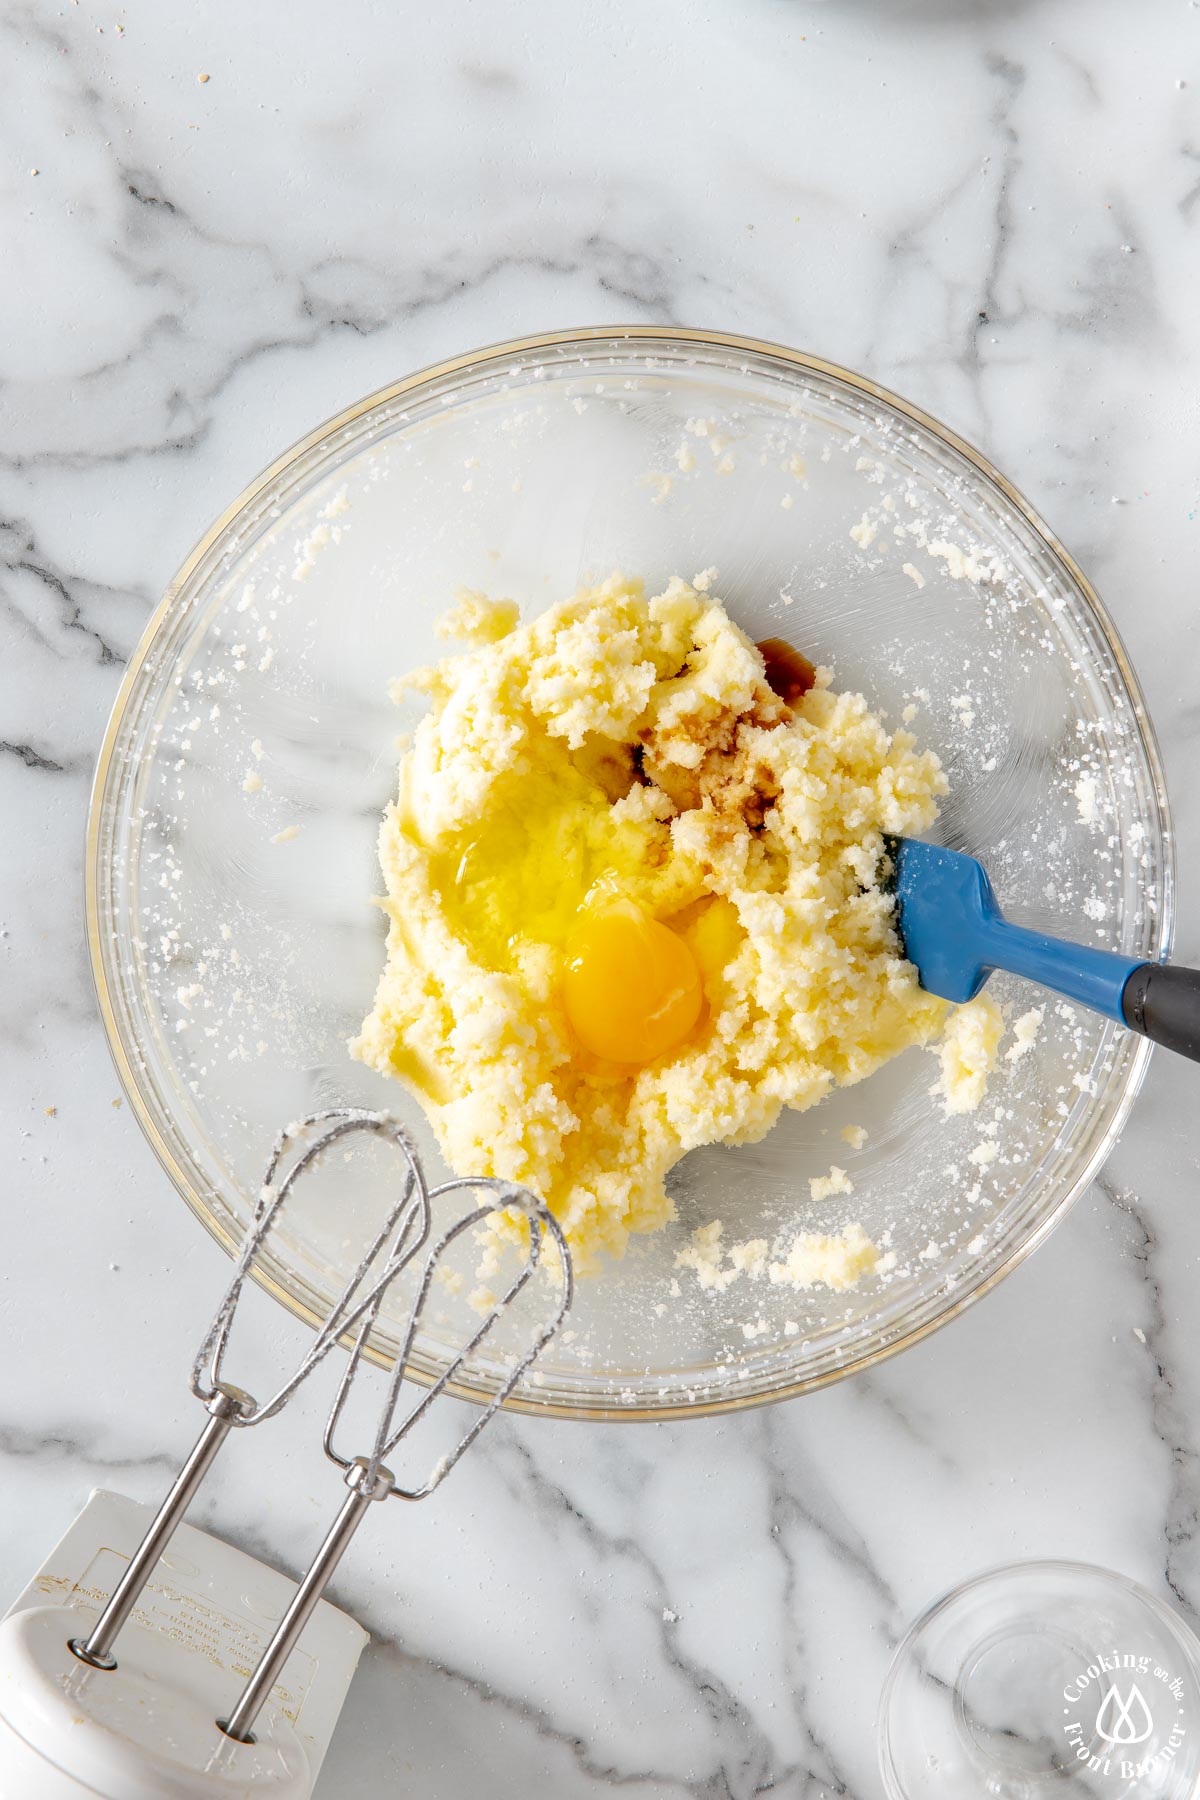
(967, 1052)
(1087, 795)
(1025, 1034)
(662, 485)
(823, 1187)
(837, 1261)
(966, 565)
(704, 1254)
(314, 543)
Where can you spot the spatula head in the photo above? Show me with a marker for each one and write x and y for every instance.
(944, 903)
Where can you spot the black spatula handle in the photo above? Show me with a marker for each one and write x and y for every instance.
(1163, 1003)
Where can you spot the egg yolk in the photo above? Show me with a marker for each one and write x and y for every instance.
(632, 987)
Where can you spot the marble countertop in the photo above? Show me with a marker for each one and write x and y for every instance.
(222, 224)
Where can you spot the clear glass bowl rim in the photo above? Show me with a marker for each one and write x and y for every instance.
(998, 1572)
(472, 362)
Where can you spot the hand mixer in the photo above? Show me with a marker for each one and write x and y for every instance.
(162, 1719)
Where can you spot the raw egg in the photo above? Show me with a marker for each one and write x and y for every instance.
(631, 987)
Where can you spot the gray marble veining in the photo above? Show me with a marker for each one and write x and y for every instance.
(994, 209)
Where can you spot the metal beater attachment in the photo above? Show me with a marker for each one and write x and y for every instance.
(366, 1476)
(398, 1241)
(403, 1232)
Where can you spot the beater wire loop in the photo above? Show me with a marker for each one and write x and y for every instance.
(541, 1225)
(397, 1241)
(398, 1238)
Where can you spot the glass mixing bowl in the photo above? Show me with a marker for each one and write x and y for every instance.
(231, 855)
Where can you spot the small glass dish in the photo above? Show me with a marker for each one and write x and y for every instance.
(231, 854)
(1043, 1681)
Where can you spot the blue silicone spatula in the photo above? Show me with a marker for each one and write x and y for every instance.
(956, 935)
